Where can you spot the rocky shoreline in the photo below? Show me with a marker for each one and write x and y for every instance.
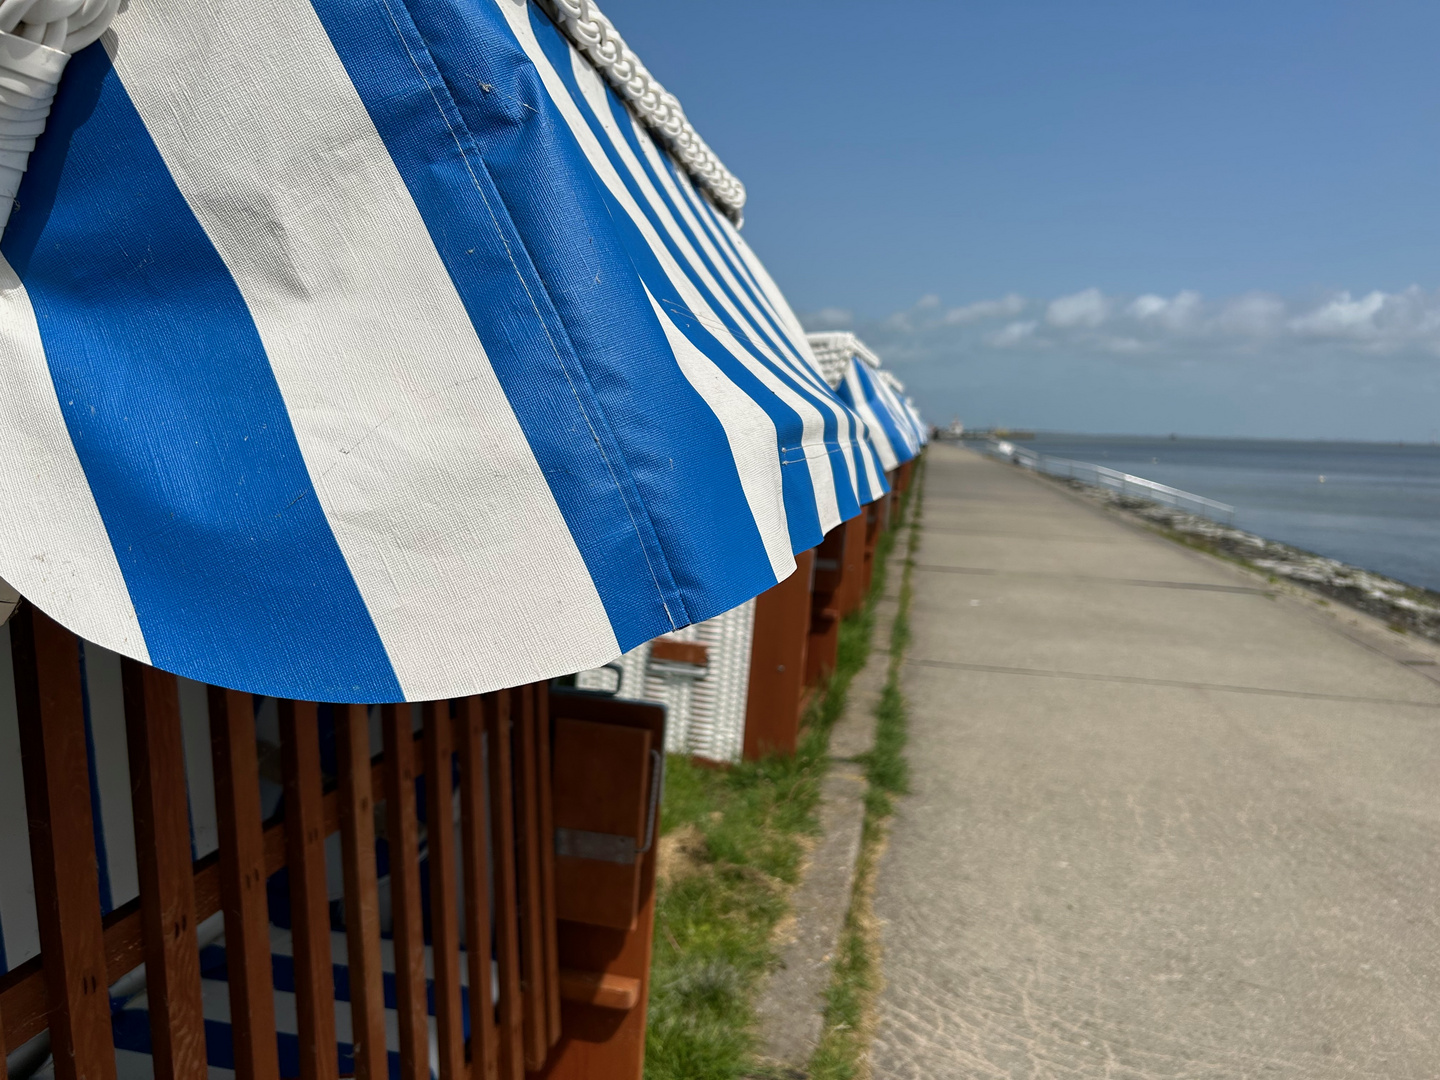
(1405, 608)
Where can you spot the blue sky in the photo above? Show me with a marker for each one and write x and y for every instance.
(1211, 218)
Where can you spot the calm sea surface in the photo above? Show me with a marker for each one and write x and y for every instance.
(1378, 506)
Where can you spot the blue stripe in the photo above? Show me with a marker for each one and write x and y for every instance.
(745, 332)
(847, 394)
(791, 366)
(767, 324)
(677, 450)
(535, 362)
(888, 422)
(903, 422)
(179, 424)
(860, 449)
(798, 490)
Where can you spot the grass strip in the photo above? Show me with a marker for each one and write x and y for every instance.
(732, 844)
(855, 980)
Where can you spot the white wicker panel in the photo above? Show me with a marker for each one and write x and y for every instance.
(705, 715)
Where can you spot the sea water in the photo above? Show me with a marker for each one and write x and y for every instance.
(1373, 505)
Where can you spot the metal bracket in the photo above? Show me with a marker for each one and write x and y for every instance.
(612, 847)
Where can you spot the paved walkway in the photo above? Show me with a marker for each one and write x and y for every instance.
(1163, 825)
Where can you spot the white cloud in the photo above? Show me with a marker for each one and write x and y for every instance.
(1089, 308)
(1185, 325)
(1177, 313)
(1342, 317)
(1254, 315)
(1007, 307)
(830, 318)
(1013, 334)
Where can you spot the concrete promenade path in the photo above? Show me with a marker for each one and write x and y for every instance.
(1162, 823)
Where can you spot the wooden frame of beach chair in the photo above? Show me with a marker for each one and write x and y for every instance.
(489, 755)
(778, 693)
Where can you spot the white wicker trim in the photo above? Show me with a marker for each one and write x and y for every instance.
(703, 716)
(658, 109)
(834, 349)
(37, 38)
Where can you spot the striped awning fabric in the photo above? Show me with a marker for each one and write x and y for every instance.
(911, 415)
(363, 351)
(895, 428)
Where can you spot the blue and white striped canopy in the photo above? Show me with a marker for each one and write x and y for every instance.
(363, 351)
(908, 413)
(895, 428)
(892, 430)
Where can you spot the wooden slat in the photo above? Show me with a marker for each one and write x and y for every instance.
(62, 844)
(444, 915)
(362, 894)
(167, 887)
(507, 935)
(601, 989)
(532, 908)
(242, 884)
(547, 862)
(24, 1000)
(402, 832)
(309, 906)
(474, 866)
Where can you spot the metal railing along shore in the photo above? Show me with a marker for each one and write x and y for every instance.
(1126, 484)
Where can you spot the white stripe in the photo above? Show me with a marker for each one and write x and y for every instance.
(199, 766)
(761, 275)
(518, 18)
(752, 295)
(112, 770)
(751, 436)
(443, 515)
(802, 372)
(53, 545)
(878, 438)
(812, 423)
(764, 287)
(897, 412)
(17, 886)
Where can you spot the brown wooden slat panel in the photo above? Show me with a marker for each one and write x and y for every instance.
(402, 832)
(547, 861)
(776, 697)
(601, 786)
(309, 907)
(62, 844)
(507, 933)
(474, 864)
(162, 855)
(532, 914)
(362, 894)
(242, 884)
(597, 1040)
(444, 915)
(23, 997)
